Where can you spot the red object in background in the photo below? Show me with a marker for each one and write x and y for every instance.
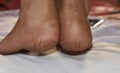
(102, 7)
(114, 2)
(9, 4)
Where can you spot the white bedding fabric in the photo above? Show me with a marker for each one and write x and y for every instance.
(103, 58)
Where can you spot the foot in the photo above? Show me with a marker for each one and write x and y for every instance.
(36, 30)
(75, 29)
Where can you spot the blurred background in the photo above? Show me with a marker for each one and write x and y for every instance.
(104, 8)
(9, 4)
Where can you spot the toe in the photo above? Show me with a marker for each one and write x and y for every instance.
(10, 45)
(7, 48)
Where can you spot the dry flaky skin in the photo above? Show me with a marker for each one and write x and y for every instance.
(75, 29)
(36, 30)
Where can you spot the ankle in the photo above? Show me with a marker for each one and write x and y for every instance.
(80, 6)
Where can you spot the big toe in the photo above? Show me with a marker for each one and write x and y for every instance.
(8, 47)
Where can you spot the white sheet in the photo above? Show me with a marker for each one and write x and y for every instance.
(103, 58)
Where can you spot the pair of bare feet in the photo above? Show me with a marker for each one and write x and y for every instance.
(40, 27)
